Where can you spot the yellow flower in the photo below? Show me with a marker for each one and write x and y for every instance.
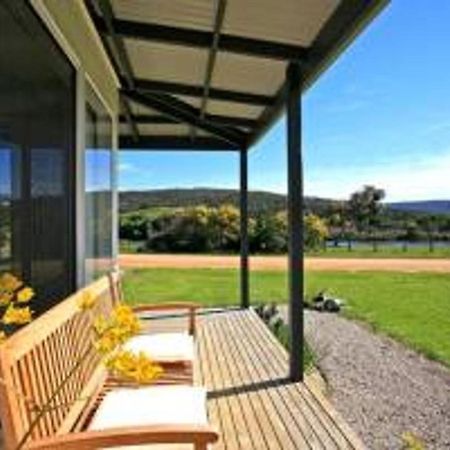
(3, 337)
(9, 282)
(6, 298)
(100, 325)
(86, 301)
(25, 295)
(124, 318)
(18, 316)
(121, 362)
(105, 344)
(146, 370)
(136, 367)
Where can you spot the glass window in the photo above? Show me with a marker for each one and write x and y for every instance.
(99, 189)
(37, 176)
(8, 193)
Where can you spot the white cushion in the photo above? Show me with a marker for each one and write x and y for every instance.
(163, 347)
(155, 405)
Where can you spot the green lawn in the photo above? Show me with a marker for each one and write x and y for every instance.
(384, 251)
(413, 308)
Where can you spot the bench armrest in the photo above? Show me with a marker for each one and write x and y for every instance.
(172, 306)
(199, 435)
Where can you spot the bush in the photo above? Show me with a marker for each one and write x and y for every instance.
(133, 227)
(197, 229)
(316, 232)
(268, 234)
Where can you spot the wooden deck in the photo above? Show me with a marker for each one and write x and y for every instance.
(250, 399)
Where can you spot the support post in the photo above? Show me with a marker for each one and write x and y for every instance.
(243, 165)
(295, 221)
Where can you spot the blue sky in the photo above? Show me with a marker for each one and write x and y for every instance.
(380, 115)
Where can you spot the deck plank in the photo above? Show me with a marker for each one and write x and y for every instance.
(263, 430)
(250, 399)
(322, 431)
(271, 388)
(329, 417)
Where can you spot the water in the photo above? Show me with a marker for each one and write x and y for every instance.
(389, 244)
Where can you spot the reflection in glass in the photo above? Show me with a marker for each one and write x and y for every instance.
(37, 87)
(6, 199)
(98, 173)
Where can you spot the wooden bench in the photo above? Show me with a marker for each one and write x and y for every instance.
(47, 389)
(173, 350)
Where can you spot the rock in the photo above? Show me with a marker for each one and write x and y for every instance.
(332, 305)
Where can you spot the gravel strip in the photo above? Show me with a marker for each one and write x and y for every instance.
(380, 387)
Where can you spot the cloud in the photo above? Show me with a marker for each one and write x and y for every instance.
(127, 167)
(414, 179)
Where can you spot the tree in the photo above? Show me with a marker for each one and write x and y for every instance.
(133, 227)
(224, 222)
(316, 231)
(365, 209)
(268, 233)
(341, 224)
(429, 225)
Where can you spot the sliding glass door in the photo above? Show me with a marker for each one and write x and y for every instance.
(37, 156)
(99, 188)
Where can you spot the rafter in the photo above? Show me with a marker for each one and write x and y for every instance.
(212, 55)
(169, 142)
(202, 39)
(185, 113)
(193, 90)
(233, 121)
(220, 15)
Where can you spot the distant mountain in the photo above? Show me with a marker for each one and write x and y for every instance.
(259, 201)
(426, 206)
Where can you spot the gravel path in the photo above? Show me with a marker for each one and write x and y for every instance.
(380, 387)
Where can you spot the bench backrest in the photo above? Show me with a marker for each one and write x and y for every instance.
(36, 360)
(115, 280)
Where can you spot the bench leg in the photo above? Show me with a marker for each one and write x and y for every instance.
(201, 446)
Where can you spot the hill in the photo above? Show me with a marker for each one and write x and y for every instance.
(428, 206)
(259, 201)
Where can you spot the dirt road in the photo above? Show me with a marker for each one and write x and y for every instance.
(280, 263)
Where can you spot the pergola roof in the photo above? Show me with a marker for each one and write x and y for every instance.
(205, 74)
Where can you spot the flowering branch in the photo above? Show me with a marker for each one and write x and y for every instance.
(14, 299)
(110, 333)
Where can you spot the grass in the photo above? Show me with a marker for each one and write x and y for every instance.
(282, 334)
(413, 308)
(384, 251)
